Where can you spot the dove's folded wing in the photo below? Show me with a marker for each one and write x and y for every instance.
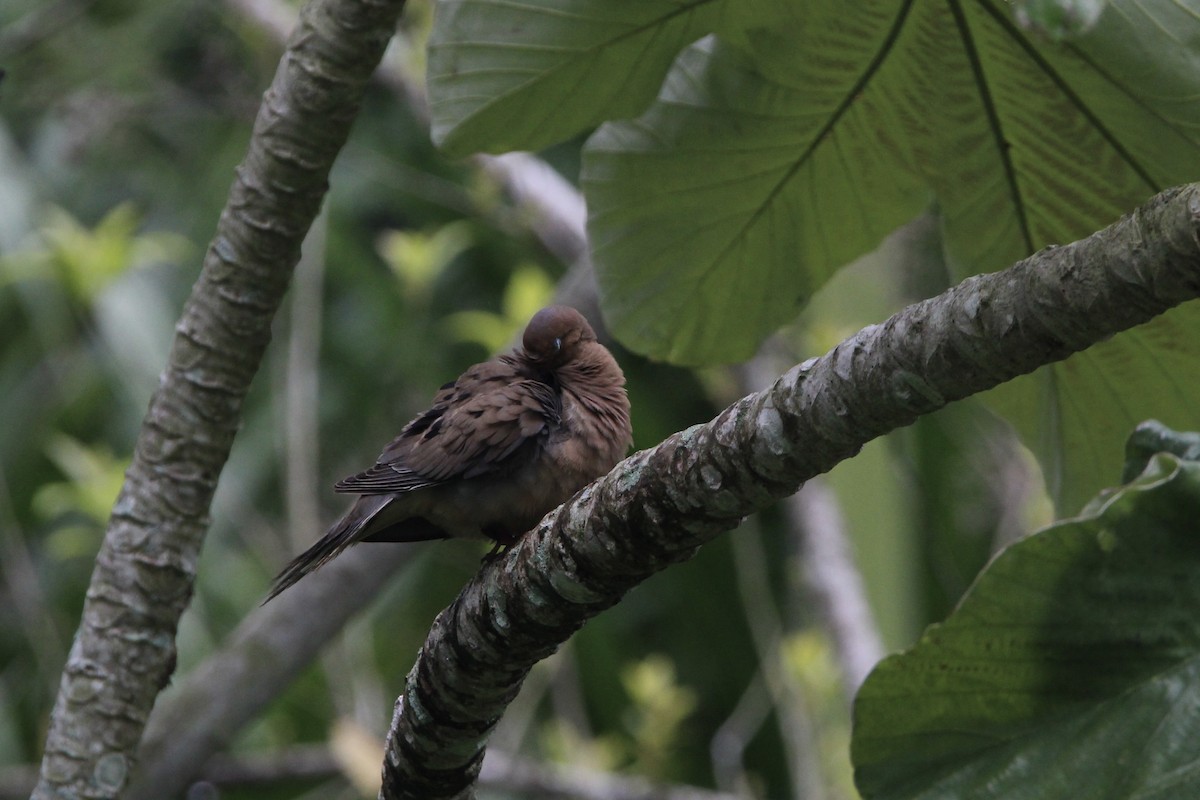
(478, 430)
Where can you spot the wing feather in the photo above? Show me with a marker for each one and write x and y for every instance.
(488, 420)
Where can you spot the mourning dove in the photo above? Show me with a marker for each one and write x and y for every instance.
(508, 441)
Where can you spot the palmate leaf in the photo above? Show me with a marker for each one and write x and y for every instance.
(523, 74)
(1070, 669)
(718, 212)
(757, 173)
(1071, 414)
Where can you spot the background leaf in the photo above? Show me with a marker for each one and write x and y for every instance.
(754, 176)
(1069, 669)
(1071, 414)
(735, 196)
(508, 76)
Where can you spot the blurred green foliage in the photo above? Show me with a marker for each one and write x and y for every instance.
(84, 262)
(94, 477)
(646, 743)
(808, 656)
(529, 289)
(660, 706)
(122, 123)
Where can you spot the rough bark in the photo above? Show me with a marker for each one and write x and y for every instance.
(124, 650)
(657, 507)
(261, 659)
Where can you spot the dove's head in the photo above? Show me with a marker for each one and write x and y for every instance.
(555, 334)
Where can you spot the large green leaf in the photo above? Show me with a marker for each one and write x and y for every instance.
(756, 174)
(524, 74)
(715, 214)
(1073, 413)
(1071, 669)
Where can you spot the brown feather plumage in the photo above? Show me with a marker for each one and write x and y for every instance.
(497, 449)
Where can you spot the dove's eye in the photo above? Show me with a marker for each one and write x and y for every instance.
(557, 343)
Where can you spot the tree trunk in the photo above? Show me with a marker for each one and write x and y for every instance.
(124, 650)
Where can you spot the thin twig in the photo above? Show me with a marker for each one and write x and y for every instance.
(728, 745)
(529, 779)
(766, 631)
(834, 583)
(270, 648)
(26, 599)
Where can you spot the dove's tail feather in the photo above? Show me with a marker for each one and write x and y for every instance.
(348, 530)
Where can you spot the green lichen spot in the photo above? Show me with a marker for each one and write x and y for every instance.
(111, 771)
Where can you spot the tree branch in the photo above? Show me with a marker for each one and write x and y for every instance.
(124, 651)
(832, 581)
(658, 506)
(262, 657)
(316, 762)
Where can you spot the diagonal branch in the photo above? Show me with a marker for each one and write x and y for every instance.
(260, 659)
(658, 506)
(124, 651)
